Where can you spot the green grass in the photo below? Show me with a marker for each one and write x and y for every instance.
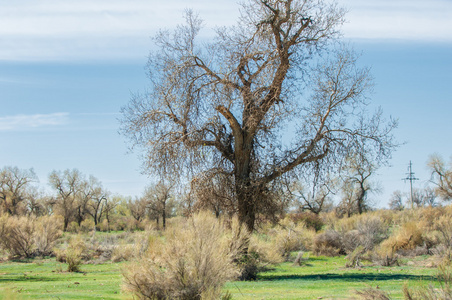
(319, 277)
(47, 279)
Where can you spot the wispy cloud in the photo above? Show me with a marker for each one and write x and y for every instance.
(24, 122)
(415, 20)
(115, 29)
(103, 29)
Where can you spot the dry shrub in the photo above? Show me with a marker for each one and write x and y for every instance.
(406, 237)
(371, 293)
(430, 216)
(194, 261)
(103, 226)
(328, 243)
(264, 250)
(48, 230)
(444, 227)
(366, 230)
(136, 246)
(311, 220)
(384, 256)
(354, 258)
(73, 227)
(444, 292)
(288, 237)
(87, 225)
(17, 236)
(372, 231)
(123, 252)
(73, 254)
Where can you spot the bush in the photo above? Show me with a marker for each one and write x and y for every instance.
(87, 225)
(48, 230)
(430, 292)
(193, 261)
(328, 244)
(311, 220)
(73, 253)
(384, 256)
(372, 294)
(408, 237)
(73, 227)
(17, 236)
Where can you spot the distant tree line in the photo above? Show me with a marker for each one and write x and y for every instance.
(81, 200)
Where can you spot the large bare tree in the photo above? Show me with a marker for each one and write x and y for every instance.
(265, 98)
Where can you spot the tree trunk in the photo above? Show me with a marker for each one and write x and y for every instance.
(246, 207)
(164, 215)
(244, 189)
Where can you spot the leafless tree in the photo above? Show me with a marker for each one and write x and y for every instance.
(315, 193)
(396, 201)
(226, 105)
(137, 208)
(16, 188)
(441, 177)
(357, 171)
(423, 197)
(160, 202)
(69, 188)
(97, 199)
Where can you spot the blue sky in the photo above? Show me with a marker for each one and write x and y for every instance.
(66, 68)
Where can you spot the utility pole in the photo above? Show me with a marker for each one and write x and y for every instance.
(411, 178)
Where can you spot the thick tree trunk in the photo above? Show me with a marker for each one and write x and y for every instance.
(245, 202)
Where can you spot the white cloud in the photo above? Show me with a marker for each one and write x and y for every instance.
(114, 29)
(415, 20)
(102, 29)
(24, 122)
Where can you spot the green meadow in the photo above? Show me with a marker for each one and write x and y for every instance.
(317, 278)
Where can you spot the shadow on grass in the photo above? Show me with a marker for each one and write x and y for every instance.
(348, 277)
(18, 278)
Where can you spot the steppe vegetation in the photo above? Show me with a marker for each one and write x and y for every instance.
(377, 254)
(238, 211)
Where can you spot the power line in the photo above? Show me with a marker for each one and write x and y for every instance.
(411, 178)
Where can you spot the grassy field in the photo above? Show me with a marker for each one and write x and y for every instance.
(319, 277)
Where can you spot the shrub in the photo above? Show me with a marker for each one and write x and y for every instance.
(311, 220)
(73, 253)
(372, 231)
(328, 244)
(73, 227)
(444, 292)
(48, 231)
(193, 261)
(372, 294)
(407, 237)
(17, 235)
(87, 225)
(384, 256)
(354, 258)
(103, 226)
(444, 226)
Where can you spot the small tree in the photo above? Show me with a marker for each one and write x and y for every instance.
(16, 189)
(396, 201)
(68, 186)
(441, 177)
(356, 186)
(159, 201)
